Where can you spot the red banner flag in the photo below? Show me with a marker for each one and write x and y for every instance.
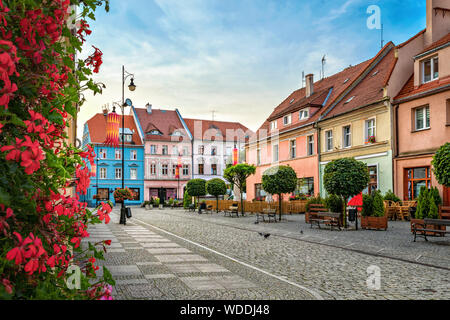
(235, 156)
(112, 130)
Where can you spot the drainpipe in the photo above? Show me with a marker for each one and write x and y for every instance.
(316, 126)
(395, 123)
(192, 158)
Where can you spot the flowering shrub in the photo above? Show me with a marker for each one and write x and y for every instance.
(41, 223)
(123, 194)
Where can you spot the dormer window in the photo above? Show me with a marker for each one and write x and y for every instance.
(430, 69)
(154, 133)
(176, 134)
(127, 138)
(287, 120)
(303, 114)
(292, 101)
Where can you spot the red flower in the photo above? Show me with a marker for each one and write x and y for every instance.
(95, 60)
(103, 212)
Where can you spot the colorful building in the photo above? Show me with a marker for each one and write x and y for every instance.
(108, 163)
(358, 124)
(213, 146)
(422, 116)
(168, 143)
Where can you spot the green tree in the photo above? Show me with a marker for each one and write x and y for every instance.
(346, 178)
(441, 165)
(237, 176)
(378, 205)
(367, 207)
(334, 203)
(196, 188)
(187, 200)
(436, 196)
(216, 187)
(279, 180)
(434, 212)
(314, 200)
(390, 196)
(423, 206)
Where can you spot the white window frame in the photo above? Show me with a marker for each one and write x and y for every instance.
(303, 114)
(116, 173)
(103, 154)
(327, 140)
(118, 154)
(425, 127)
(258, 157)
(432, 76)
(133, 154)
(103, 173)
(293, 149)
(366, 129)
(273, 125)
(164, 168)
(153, 169)
(289, 119)
(133, 176)
(165, 150)
(308, 143)
(185, 169)
(344, 136)
(153, 149)
(275, 147)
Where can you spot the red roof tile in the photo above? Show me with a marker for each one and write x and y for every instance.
(165, 121)
(97, 128)
(211, 128)
(409, 90)
(369, 90)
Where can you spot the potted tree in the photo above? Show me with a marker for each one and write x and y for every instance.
(196, 188)
(373, 215)
(427, 207)
(216, 187)
(237, 176)
(279, 180)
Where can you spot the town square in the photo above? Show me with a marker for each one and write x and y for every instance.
(224, 151)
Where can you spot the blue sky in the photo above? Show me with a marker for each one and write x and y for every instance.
(240, 58)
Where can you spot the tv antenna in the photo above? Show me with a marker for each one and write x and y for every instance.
(382, 37)
(303, 79)
(324, 60)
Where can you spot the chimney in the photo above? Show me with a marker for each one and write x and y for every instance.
(438, 20)
(149, 108)
(309, 84)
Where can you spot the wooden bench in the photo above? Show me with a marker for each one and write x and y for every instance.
(424, 229)
(330, 219)
(234, 208)
(270, 213)
(313, 210)
(191, 208)
(444, 212)
(209, 209)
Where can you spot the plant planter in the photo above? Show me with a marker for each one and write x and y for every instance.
(429, 233)
(161, 206)
(374, 223)
(148, 207)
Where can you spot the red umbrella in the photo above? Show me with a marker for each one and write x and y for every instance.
(356, 201)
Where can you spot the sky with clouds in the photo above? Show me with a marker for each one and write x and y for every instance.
(239, 58)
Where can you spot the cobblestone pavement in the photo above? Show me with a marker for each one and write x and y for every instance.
(172, 254)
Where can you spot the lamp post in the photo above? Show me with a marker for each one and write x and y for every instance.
(131, 87)
(96, 174)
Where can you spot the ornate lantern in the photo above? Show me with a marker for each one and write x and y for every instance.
(112, 129)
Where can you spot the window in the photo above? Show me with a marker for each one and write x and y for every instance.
(136, 193)
(310, 145)
(118, 173)
(165, 150)
(153, 169)
(128, 138)
(430, 70)
(185, 151)
(305, 186)
(347, 136)
(273, 125)
(229, 151)
(370, 130)
(303, 114)
(422, 118)
(155, 133)
(259, 192)
(416, 178)
(174, 150)
(329, 140)
(185, 170)
(275, 153)
(174, 170)
(214, 169)
(201, 150)
(103, 194)
(213, 151)
(200, 168)
(103, 154)
(373, 180)
(133, 174)
(133, 155)
(287, 120)
(349, 100)
(165, 169)
(153, 149)
(118, 154)
(103, 173)
(448, 112)
(258, 157)
(293, 149)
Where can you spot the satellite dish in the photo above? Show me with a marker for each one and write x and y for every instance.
(128, 102)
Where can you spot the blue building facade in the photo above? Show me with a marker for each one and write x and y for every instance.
(108, 162)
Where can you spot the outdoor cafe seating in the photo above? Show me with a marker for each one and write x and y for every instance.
(399, 210)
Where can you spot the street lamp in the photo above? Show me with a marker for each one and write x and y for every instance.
(131, 87)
